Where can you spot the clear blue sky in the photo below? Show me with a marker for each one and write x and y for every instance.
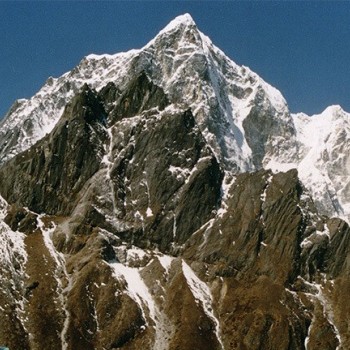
(302, 48)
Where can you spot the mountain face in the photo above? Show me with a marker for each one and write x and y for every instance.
(245, 121)
(166, 198)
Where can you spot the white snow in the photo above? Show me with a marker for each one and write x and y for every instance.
(208, 230)
(149, 212)
(47, 236)
(135, 253)
(226, 185)
(208, 81)
(179, 67)
(276, 166)
(202, 295)
(327, 310)
(12, 242)
(307, 339)
(165, 261)
(59, 271)
(180, 173)
(174, 225)
(138, 291)
(324, 166)
(13, 258)
(182, 20)
(108, 159)
(268, 182)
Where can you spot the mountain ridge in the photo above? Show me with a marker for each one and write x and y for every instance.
(245, 120)
(145, 218)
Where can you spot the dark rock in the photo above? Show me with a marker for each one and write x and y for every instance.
(31, 287)
(140, 95)
(255, 233)
(52, 172)
(125, 178)
(338, 252)
(21, 219)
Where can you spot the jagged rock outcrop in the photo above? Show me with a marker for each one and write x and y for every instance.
(248, 252)
(245, 121)
(164, 181)
(59, 165)
(130, 225)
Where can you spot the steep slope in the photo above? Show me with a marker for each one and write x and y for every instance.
(325, 165)
(245, 121)
(146, 170)
(323, 161)
(130, 225)
(194, 74)
(259, 266)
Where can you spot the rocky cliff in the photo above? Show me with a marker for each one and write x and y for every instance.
(131, 222)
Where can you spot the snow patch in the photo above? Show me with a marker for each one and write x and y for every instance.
(327, 310)
(226, 185)
(165, 261)
(59, 271)
(202, 294)
(182, 20)
(138, 291)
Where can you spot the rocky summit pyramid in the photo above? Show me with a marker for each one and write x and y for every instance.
(166, 198)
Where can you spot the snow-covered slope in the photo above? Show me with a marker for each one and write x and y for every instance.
(245, 120)
(147, 237)
(191, 70)
(325, 159)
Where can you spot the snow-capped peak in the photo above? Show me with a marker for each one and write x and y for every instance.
(324, 158)
(192, 71)
(244, 119)
(179, 21)
(181, 32)
(333, 109)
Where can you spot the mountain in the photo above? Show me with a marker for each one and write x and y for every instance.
(191, 71)
(166, 198)
(245, 120)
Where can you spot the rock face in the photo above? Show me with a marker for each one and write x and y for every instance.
(131, 224)
(243, 119)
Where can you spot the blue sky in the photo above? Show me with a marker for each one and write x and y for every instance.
(302, 48)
